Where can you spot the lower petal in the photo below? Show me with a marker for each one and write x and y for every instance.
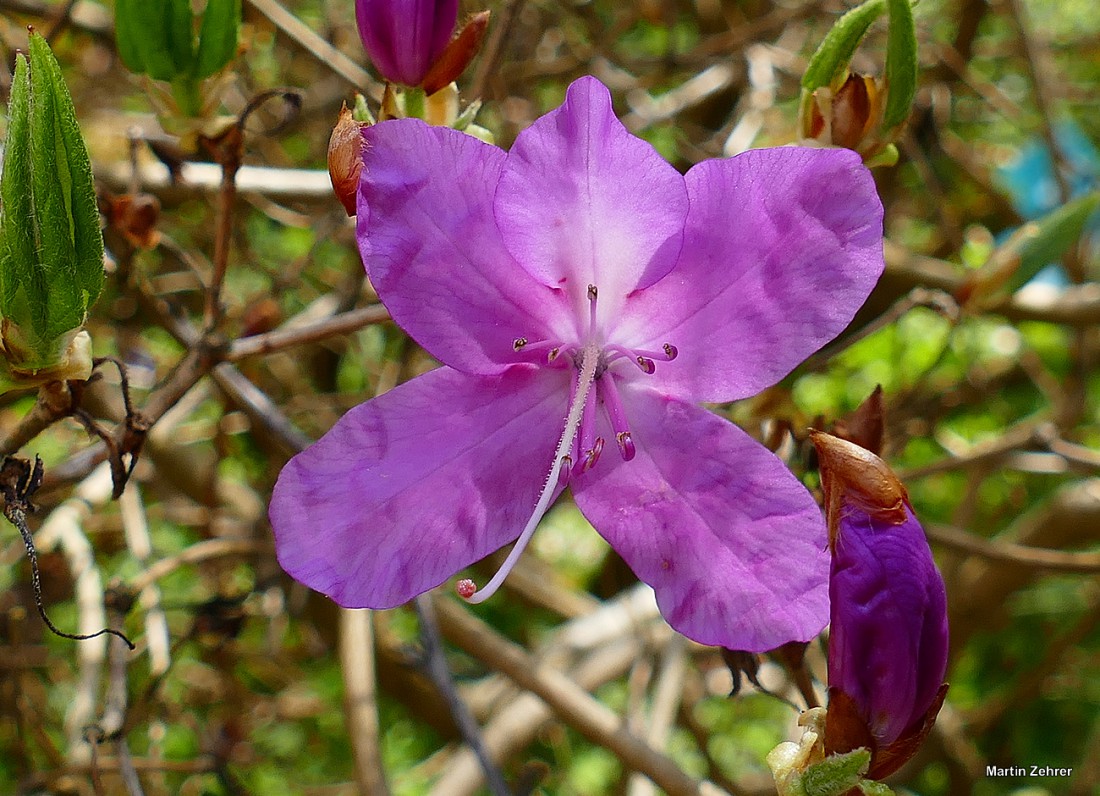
(731, 542)
(409, 488)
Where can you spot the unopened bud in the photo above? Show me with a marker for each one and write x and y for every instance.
(51, 248)
(846, 117)
(458, 54)
(345, 159)
(853, 475)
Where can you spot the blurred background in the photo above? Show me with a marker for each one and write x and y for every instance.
(244, 682)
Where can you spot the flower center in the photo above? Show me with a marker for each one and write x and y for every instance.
(579, 447)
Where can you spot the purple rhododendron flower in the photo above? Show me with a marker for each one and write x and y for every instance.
(403, 38)
(580, 291)
(888, 635)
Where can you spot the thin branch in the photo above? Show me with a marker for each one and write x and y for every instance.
(357, 665)
(291, 336)
(432, 640)
(312, 44)
(1083, 563)
(571, 703)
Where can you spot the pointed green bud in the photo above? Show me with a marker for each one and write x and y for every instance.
(51, 248)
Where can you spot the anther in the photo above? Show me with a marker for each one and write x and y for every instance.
(646, 364)
(565, 470)
(592, 310)
(465, 588)
(592, 455)
(519, 343)
(626, 445)
(670, 351)
(552, 355)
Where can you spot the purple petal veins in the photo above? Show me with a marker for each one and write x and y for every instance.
(582, 272)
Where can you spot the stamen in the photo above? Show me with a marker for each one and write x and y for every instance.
(538, 352)
(592, 292)
(564, 470)
(643, 359)
(613, 404)
(589, 358)
(592, 455)
(586, 435)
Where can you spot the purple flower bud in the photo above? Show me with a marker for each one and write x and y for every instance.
(403, 38)
(888, 612)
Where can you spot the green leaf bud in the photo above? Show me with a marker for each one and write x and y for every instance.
(51, 248)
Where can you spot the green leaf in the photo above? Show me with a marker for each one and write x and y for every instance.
(180, 32)
(19, 252)
(836, 49)
(1028, 250)
(218, 36)
(1052, 235)
(871, 788)
(142, 29)
(836, 774)
(80, 199)
(901, 63)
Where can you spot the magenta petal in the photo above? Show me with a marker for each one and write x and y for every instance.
(782, 246)
(409, 488)
(731, 542)
(431, 248)
(888, 640)
(582, 201)
(403, 38)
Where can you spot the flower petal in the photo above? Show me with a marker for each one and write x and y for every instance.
(409, 488)
(888, 639)
(430, 246)
(583, 202)
(403, 38)
(731, 542)
(782, 247)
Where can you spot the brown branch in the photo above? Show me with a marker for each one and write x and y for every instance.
(288, 337)
(1035, 557)
(571, 703)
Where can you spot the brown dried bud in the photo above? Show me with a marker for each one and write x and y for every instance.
(853, 111)
(261, 316)
(866, 426)
(853, 474)
(345, 158)
(458, 54)
(846, 117)
(135, 216)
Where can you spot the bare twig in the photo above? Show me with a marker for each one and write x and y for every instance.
(573, 705)
(300, 33)
(360, 700)
(1035, 557)
(437, 666)
(290, 336)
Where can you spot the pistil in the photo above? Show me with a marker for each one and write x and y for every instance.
(589, 358)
